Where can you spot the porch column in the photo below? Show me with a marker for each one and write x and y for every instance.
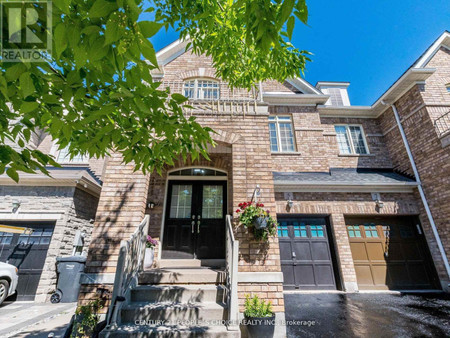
(121, 209)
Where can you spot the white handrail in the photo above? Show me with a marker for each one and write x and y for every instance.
(232, 261)
(129, 265)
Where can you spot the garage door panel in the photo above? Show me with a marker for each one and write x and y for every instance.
(395, 252)
(302, 250)
(398, 274)
(379, 274)
(288, 274)
(285, 250)
(358, 251)
(364, 274)
(320, 251)
(375, 251)
(418, 274)
(412, 251)
(325, 275)
(304, 275)
(396, 259)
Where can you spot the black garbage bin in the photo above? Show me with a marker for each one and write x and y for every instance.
(69, 273)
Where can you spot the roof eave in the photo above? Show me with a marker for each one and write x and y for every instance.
(320, 186)
(288, 98)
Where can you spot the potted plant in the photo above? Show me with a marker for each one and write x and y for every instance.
(256, 219)
(149, 252)
(259, 317)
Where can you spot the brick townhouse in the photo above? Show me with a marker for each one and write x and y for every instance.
(361, 193)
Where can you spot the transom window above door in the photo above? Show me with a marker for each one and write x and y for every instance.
(351, 140)
(201, 89)
(281, 134)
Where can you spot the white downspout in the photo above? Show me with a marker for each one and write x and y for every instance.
(421, 192)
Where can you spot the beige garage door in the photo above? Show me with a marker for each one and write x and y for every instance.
(390, 254)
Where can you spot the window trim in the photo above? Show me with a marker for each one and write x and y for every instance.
(277, 127)
(196, 80)
(55, 153)
(349, 137)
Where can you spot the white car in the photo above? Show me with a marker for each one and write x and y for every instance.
(8, 280)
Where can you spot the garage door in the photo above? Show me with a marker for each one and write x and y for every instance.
(306, 259)
(390, 253)
(28, 253)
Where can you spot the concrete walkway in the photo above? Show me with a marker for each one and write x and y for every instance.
(28, 319)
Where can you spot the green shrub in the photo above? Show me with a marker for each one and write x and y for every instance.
(86, 318)
(257, 308)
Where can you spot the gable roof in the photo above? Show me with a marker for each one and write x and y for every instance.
(178, 48)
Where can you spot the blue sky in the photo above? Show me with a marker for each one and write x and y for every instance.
(367, 43)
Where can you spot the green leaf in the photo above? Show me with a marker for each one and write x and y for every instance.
(179, 98)
(12, 173)
(102, 8)
(60, 39)
(114, 31)
(27, 107)
(26, 84)
(149, 28)
(290, 27)
(149, 52)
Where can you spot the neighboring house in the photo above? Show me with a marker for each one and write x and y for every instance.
(56, 208)
(337, 177)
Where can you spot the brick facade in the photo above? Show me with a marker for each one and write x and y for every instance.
(243, 152)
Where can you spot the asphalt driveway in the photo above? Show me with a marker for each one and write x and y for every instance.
(367, 315)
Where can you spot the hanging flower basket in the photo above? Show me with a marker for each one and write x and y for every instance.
(257, 220)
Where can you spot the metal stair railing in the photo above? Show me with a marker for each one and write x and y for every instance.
(231, 267)
(129, 264)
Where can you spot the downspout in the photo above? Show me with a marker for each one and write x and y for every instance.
(421, 192)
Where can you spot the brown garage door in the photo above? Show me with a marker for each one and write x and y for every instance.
(306, 257)
(390, 253)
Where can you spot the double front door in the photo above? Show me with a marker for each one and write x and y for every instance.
(195, 220)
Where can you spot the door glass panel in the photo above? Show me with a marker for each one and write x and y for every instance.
(300, 230)
(317, 231)
(283, 231)
(353, 231)
(212, 206)
(370, 231)
(5, 238)
(181, 202)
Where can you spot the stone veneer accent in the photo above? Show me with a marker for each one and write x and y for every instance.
(71, 209)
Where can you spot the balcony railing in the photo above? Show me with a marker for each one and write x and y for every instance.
(225, 101)
(442, 124)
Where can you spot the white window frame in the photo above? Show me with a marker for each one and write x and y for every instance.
(277, 127)
(55, 152)
(196, 88)
(349, 137)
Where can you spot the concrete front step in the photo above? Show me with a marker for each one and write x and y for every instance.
(141, 331)
(182, 276)
(188, 293)
(172, 312)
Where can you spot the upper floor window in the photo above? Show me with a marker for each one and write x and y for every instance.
(351, 140)
(448, 87)
(63, 157)
(201, 89)
(281, 134)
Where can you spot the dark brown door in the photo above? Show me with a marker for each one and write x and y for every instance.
(195, 220)
(390, 253)
(306, 259)
(27, 253)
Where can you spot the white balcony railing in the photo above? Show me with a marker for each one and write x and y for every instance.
(225, 101)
